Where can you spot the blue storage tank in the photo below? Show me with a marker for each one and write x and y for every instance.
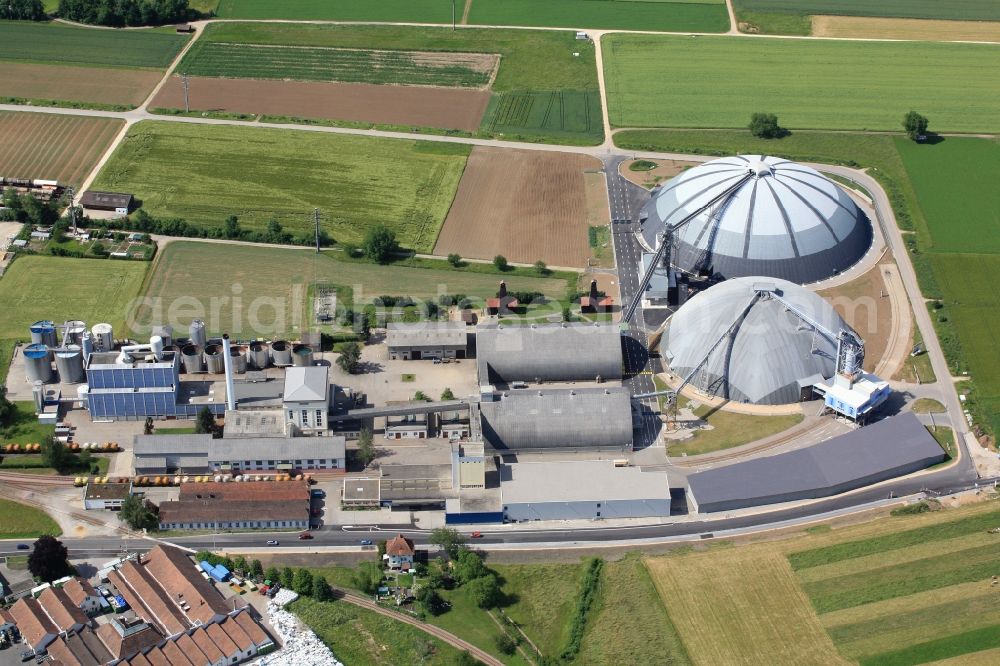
(38, 363)
(43, 333)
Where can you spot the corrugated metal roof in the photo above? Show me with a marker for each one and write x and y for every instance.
(771, 351)
(548, 352)
(886, 449)
(559, 418)
(249, 448)
(788, 221)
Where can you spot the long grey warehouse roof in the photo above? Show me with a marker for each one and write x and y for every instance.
(586, 418)
(249, 448)
(548, 352)
(579, 481)
(427, 334)
(785, 221)
(893, 447)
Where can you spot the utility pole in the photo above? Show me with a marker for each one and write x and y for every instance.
(72, 207)
(316, 217)
(187, 106)
(453, 15)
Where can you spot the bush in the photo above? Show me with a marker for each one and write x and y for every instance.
(485, 591)
(765, 126)
(505, 643)
(379, 243)
(455, 259)
(587, 594)
(500, 262)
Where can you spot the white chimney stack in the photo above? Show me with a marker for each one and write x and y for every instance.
(228, 360)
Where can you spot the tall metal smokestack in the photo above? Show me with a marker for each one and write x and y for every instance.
(228, 360)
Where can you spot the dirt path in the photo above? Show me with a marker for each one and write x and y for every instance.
(436, 632)
(734, 26)
(465, 12)
(897, 346)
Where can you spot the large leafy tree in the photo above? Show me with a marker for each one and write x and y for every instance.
(765, 126)
(350, 357)
(379, 243)
(49, 559)
(139, 514)
(22, 10)
(915, 125)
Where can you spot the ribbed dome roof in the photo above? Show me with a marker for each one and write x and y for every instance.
(770, 351)
(786, 221)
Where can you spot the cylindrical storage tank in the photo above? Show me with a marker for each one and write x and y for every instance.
(166, 332)
(38, 395)
(302, 355)
(104, 337)
(215, 362)
(281, 353)
(239, 358)
(69, 362)
(82, 394)
(87, 345)
(74, 332)
(258, 355)
(191, 359)
(43, 333)
(199, 336)
(37, 366)
(170, 351)
(156, 344)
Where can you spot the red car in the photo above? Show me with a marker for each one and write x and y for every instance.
(476, 535)
(305, 536)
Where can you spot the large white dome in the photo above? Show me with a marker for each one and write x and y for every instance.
(786, 221)
(769, 353)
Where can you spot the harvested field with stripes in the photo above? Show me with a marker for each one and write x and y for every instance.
(445, 108)
(310, 63)
(525, 205)
(53, 147)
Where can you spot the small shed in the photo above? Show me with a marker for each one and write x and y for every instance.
(118, 202)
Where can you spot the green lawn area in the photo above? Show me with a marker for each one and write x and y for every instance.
(810, 84)
(20, 521)
(361, 637)
(6, 353)
(659, 15)
(928, 406)
(175, 431)
(960, 10)
(627, 593)
(541, 600)
(204, 174)
(470, 622)
(24, 427)
(88, 289)
(70, 45)
(545, 87)
(187, 278)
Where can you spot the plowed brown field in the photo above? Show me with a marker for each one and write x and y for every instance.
(53, 147)
(447, 108)
(94, 85)
(526, 205)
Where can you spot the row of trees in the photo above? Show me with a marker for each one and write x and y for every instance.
(117, 13)
(22, 10)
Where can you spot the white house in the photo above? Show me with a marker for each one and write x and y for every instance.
(307, 397)
(399, 553)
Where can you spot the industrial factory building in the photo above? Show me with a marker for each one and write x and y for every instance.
(566, 419)
(548, 353)
(200, 454)
(893, 447)
(581, 490)
(779, 219)
(746, 345)
(224, 506)
(306, 399)
(427, 340)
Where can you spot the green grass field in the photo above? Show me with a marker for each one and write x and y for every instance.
(273, 283)
(545, 114)
(959, 10)
(540, 83)
(24, 427)
(69, 45)
(20, 521)
(809, 84)
(418, 11)
(306, 63)
(694, 16)
(57, 288)
(204, 174)
(363, 637)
